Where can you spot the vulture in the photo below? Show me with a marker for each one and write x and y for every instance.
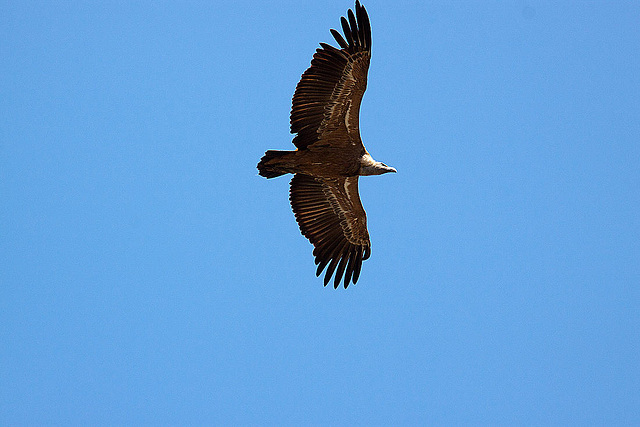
(329, 155)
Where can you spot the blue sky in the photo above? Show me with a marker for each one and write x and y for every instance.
(150, 276)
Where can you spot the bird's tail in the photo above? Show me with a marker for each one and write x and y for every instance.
(269, 165)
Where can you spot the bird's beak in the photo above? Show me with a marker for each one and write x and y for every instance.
(392, 170)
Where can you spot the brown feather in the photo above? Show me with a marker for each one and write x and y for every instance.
(337, 77)
(330, 215)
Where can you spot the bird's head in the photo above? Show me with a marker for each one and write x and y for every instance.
(376, 168)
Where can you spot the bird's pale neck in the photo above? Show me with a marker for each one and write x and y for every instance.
(368, 166)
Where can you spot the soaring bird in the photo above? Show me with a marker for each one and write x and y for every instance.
(330, 155)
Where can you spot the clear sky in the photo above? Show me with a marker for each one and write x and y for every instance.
(150, 276)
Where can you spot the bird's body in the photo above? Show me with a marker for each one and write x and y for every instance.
(322, 162)
(330, 155)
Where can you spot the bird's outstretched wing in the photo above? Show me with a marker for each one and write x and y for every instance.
(326, 103)
(331, 216)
